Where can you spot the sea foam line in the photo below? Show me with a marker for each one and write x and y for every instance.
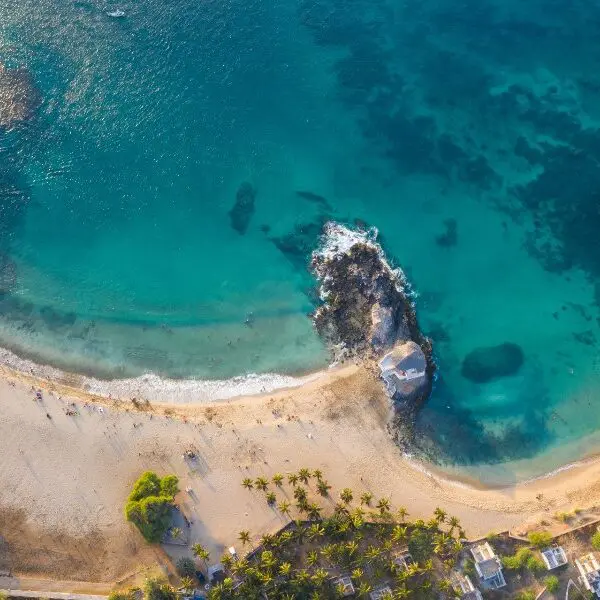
(154, 388)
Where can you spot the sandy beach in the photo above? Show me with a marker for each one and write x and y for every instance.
(64, 477)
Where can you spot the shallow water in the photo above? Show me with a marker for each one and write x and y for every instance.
(466, 133)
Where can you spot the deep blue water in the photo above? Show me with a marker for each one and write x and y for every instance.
(467, 133)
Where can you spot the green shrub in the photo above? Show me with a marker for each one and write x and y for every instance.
(540, 539)
(535, 564)
(525, 595)
(469, 568)
(596, 540)
(551, 583)
(518, 560)
(149, 504)
(420, 544)
(123, 594)
(158, 588)
(186, 567)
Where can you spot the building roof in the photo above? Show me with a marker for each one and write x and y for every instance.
(346, 584)
(554, 557)
(381, 593)
(482, 552)
(590, 572)
(461, 583)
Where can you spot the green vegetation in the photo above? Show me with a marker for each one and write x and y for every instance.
(596, 541)
(149, 504)
(186, 567)
(551, 582)
(518, 560)
(540, 539)
(358, 535)
(525, 595)
(129, 594)
(158, 588)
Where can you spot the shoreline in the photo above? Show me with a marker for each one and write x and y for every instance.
(167, 394)
(335, 422)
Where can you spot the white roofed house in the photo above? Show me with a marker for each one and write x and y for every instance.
(554, 557)
(344, 585)
(463, 586)
(488, 566)
(589, 570)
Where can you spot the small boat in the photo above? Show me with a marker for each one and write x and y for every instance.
(116, 13)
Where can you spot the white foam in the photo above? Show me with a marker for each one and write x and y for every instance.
(157, 389)
(338, 239)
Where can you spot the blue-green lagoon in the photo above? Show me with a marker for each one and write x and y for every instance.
(467, 134)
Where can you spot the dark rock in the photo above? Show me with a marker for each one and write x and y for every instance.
(490, 362)
(19, 98)
(315, 198)
(450, 237)
(55, 319)
(243, 209)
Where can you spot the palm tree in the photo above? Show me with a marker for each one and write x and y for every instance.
(357, 574)
(277, 479)
(440, 514)
(402, 513)
(176, 533)
(320, 577)
(300, 494)
(454, 522)
(285, 569)
(346, 495)
(383, 505)
(267, 559)
(318, 474)
(364, 589)
(323, 487)
(314, 511)
(366, 498)
(312, 558)
(244, 537)
(187, 583)
(304, 475)
(402, 592)
(315, 531)
(201, 552)
(284, 507)
(399, 534)
(261, 483)
(271, 498)
(248, 483)
(293, 479)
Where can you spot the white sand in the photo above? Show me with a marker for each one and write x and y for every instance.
(64, 480)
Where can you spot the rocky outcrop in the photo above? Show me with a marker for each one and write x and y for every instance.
(19, 98)
(366, 309)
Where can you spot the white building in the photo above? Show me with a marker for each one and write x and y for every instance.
(463, 586)
(381, 593)
(345, 585)
(488, 566)
(554, 557)
(589, 569)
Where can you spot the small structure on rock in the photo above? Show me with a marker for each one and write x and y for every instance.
(404, 371)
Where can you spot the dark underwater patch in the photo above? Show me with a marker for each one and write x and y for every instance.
(243, 210)
(450, 236)
(491, 362)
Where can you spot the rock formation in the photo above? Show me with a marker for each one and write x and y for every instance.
(367, 311)
(243, 210)
(19, 98)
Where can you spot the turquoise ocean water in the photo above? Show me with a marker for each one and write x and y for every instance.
(467, 133)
